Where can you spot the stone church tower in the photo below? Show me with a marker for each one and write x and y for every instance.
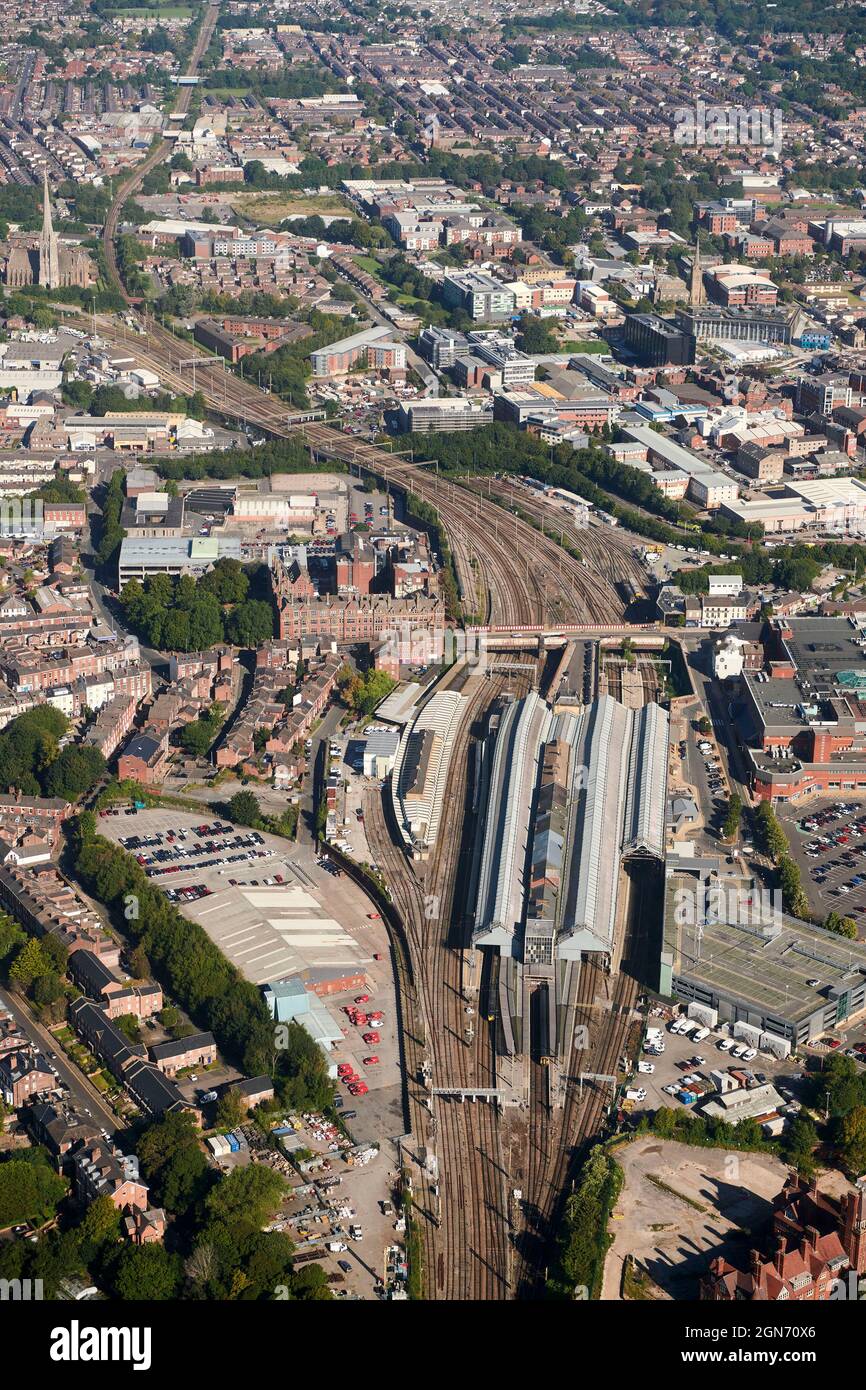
(44, 261)
(696, 291)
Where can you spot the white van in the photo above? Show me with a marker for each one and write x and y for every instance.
(740, 1050)
(700, 1034)
(726, 1044)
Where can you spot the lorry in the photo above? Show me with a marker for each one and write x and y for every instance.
(637, 1093)
(337, 1246)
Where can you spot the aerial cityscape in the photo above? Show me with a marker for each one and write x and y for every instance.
(432, 654)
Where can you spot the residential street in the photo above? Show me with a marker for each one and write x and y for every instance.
(83, 1095)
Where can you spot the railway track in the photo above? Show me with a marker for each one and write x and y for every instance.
(522, 577)
(156, 155)
(557, 1139)
(465, 1227)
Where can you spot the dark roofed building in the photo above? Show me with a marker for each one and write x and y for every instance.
(152, 1091)
(58, 1129)
(197, 1050)
(416, 764)
(253, 1090)
(145, 758)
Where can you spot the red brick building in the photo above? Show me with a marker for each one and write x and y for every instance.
(813, 1241)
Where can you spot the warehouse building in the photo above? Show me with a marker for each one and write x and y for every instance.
(142, 557)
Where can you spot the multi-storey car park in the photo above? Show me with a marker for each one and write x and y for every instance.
(780, 981)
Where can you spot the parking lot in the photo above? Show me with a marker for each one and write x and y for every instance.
(685, 1064)
(702, 768)
(828, 842)
(276, 919)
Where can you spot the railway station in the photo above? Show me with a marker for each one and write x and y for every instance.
(421, 771)
(556, 792)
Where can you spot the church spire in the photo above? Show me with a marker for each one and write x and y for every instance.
(47, 225)
(49, 251)
(696, 295)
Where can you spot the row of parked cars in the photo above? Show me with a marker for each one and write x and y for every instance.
(715, 777)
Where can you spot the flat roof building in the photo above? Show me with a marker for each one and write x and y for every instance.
(142, 557)
(786, 979)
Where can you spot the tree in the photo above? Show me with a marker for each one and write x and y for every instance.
(139, 965)
(245, 1195)
(310, 1284)
(198, 735)
(800, 1140)
(147, 1273)
(250, 624)
(361, 694)
(172, 1161)
(838, 1087)
(100, 1228)
(29, 964)
(12, 938)
(47, 989)
(30, 1190)
(731, 822)
(231, 1110)
(130, 1027)
(301, 1079)
(793, 896)
(852, 1141)
(244, 809)
(842, 926)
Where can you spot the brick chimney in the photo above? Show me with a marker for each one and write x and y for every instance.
(779, 1256)
(853, 1233)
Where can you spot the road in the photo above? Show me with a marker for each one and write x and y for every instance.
(416, 362)
(307, 810)
(84, 1096)
(159, 152)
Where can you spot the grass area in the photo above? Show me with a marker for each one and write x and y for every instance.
(370, 264)
(268, 208)
(229, 92)
(591, 345)
(637, 1284)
